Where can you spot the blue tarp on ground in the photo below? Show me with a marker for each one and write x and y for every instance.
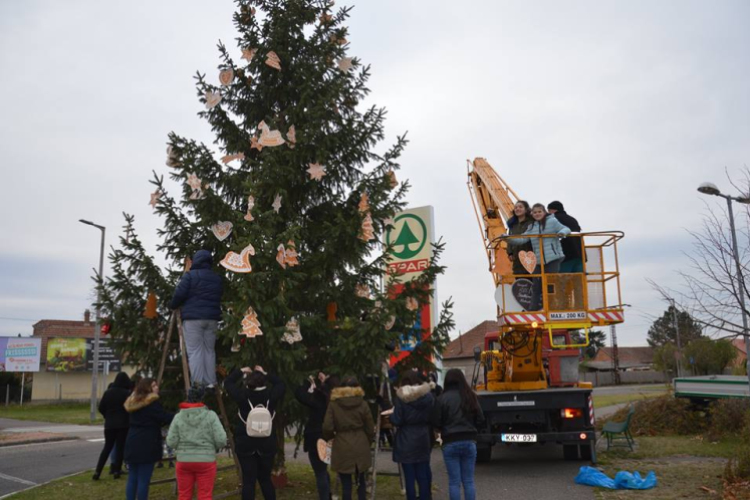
(623, 480)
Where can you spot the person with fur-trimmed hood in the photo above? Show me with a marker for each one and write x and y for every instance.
(349, 423)
(411, 416)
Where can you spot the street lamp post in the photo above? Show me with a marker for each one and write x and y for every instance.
(97, 325)
(677, 336)
(708, 188)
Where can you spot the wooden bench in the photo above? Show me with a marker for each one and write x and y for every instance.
(617, 431)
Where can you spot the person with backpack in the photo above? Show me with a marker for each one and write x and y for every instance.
(412, 417)
(143, 447)
(198, 295)
(116, 422)
(314, 394)
(196, 434)
(457, 415)
(255, 433)
(573, 261)
(349, 423)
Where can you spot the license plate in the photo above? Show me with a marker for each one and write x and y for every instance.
(518, 438)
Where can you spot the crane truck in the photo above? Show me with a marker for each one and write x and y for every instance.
(526, 373)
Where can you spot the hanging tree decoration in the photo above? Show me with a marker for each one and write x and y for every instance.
(292, 334)
(250, 205)
(281, 256)
(392, 179)
(150, 312)
(251, 324)
(364, 203)
(291, 137)
(345, 64)
(226, 76)
(227, 158)
(172, 158)
(239, 262)
(194, 182)
(362, 291)
(388, 221)
(273, 60)
(316, 171)
(254, 144)
(248, 54)
(412, 304)
(368, 231)
(212, 99)
(222, 230)
(276, 203)
(155, 198)
(290, 255)
(269, 137)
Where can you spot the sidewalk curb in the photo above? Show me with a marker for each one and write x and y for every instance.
(38, 441)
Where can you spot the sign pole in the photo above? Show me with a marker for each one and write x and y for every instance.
(23, 380)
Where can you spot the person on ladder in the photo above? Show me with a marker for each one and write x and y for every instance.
(198, 295)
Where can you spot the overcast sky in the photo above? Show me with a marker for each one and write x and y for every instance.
(618, 109)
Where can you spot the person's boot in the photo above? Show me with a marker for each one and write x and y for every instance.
(96, 475)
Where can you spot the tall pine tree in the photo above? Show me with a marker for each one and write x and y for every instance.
(295, 175)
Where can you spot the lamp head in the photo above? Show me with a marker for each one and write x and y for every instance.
(88, 222)
(709, 188)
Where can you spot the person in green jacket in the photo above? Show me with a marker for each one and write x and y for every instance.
(518, 224)
(196, 434)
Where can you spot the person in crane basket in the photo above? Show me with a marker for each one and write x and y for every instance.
(518, 224)
(544, 224)
(573, 263)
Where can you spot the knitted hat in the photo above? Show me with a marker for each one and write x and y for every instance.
(556, 205)
(196, 394)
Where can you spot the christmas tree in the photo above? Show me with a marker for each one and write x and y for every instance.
(280, 199)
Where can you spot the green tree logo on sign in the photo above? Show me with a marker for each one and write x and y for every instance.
(407, 243)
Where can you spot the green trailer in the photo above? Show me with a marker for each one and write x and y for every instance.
(712, 387)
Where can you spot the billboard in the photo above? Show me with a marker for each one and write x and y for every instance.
(107, 355)
(19, 354)
(66, 354)
(411, 237)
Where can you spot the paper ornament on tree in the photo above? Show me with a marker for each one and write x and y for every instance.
(528, 260)
(412, 304)
(326, 18)
(273, 60)
(250, 324)
(316, 171)
(392, 179)
(248, 54)
(197, 195)
(364, 203)
(345, 64)
(388, 221)
(269, 137)
(222, 230)
(250, 205)
(150, 311)
(331, 310)
(194, 182)
(154, 198)
(254, 144)
(362, 290)
(172, 157)
(226, 159)
(291, 137)
(212, 99)
(239, 263)
(281, 256)
(236, 344)
(291, 254)
(226, 76)
(390, 322)
(276, 203)
(368, 232)
(293, 333)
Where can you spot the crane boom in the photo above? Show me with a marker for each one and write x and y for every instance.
(495, 200)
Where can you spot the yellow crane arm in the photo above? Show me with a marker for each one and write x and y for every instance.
(493, 202)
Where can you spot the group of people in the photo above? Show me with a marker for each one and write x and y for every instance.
(552, 254)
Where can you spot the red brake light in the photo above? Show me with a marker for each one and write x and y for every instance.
(571, 413)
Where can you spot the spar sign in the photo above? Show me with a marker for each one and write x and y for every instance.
(20, 354)
(410, 239)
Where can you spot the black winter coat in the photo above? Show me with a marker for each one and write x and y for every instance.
(147, 417)
(572, 244)
(112, 405)
(450, 420)
(235, 386)
(199, 291)
(317, 403)
(411, 416)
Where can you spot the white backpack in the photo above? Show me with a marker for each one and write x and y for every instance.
(259, 421)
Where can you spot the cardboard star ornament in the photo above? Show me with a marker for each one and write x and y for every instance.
(345, 64)
(388, 221)
(212, 99)
(154, 198)
(273, 60)
(268, 137)
(276, 203)
(316, 171)
(222, 230)
(292, 334)
(194, 182)
(238, 262)
(250, 205)
(248, 54)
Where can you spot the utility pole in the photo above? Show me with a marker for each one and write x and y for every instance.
(615, 355)
(676, 326)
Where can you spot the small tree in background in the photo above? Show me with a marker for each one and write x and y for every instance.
(662, 331)
(709, 357)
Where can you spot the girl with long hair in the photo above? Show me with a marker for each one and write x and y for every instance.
(143, 446)
(457, 415)
(518, 224)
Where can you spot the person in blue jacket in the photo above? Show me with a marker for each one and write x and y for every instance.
(199, 296)
(544, 224)
(412, 417)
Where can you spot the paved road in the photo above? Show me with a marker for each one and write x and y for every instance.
(533, 472)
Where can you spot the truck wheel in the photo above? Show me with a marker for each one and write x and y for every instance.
(587, 451)
(570, 451)
(484, 453)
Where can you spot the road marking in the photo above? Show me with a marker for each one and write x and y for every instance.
(16, 479)
(95, 440)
